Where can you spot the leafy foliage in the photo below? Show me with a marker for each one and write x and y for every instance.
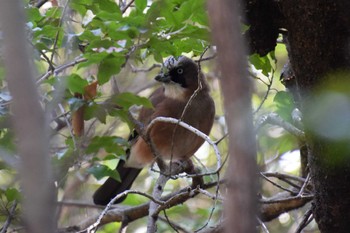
(83, 51)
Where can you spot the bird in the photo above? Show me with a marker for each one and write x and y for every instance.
(180, 78)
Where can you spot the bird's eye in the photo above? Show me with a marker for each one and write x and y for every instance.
(179, 70)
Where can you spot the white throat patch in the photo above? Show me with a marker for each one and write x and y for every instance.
(174, 91)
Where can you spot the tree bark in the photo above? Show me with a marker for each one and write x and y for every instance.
(318, 48)
(29, 122)
(318, 42)
(240, 206)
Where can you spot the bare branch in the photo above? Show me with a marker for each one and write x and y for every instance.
(127, 6)
(263, 226)
(206, 58)
(138, 70)
(172, 169)
(173, 225)
(61, 68)
(277, 185)
(307, 180)
(282, 202)
(275, 119)
(269, 85)
(306, 220)
(94, 226)
(129, 214)
(283, 176)
(58, 31)
(9, 218)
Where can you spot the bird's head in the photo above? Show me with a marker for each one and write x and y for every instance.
(179, 76)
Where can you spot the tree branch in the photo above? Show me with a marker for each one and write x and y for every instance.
(29, 122)
(61, 68)
(130, 214)
(275, 119)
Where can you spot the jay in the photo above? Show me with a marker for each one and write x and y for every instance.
(180, 77)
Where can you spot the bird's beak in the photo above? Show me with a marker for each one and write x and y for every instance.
(163, 77)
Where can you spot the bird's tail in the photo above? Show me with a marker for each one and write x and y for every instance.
(112, 187)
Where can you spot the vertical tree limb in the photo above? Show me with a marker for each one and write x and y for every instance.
(236, 89)
(318, 50)
(29, 122)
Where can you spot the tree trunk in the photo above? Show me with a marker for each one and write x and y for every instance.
(240, 205)
(29, 122)
(318, 42)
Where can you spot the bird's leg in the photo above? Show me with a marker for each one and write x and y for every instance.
(191, 169)
(188, 167)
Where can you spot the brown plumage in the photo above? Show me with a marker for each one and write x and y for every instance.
(180, 80)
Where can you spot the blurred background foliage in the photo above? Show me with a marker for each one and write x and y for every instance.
(98, 58)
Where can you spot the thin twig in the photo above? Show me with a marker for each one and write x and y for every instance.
(306, 220)
(306, 197)
(284, 176)
(173, 225)
(46, 58)
(263, 226)
(138, 70)
(206, 58)
(58, 31)
(269, 85)
(134, 213)
(304, 185)
(277, 185)
(127, 6)
(9, 218)
(69, 126)
(78, 204)
(286, 180)
(275, 119)
(208, 194)
(93, 227)
(222, 138)
(61, 68)
(155, 208)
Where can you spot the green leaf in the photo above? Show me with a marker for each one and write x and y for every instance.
(47, 31)
(200, 15)
(76, 84)
(261, 63)
(33, 14)
(109, 66)
(111, 144)
(108, 17)
(80, 6)
(99, 171)
(93, 58)
(12, 194)
(41, 46)
(7, 138)
(122, 115)
(140, 4)
(284, 105)
(93, 110)
(107, 5)
(102, 43)
(127, 99)
(90, 35)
